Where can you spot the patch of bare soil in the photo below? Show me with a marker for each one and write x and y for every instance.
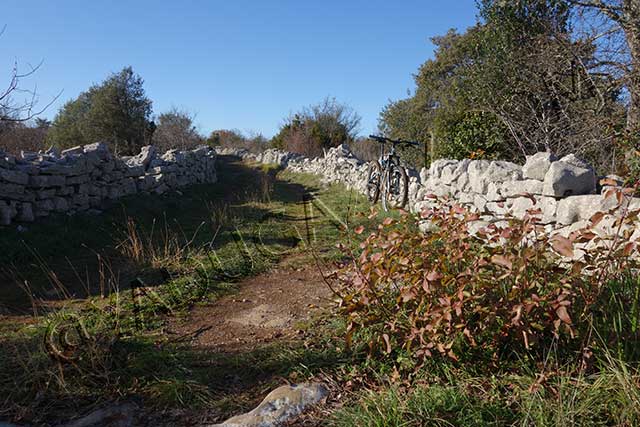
(268, 307)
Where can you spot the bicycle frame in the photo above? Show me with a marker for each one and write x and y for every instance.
(388, 182)
(386, 160)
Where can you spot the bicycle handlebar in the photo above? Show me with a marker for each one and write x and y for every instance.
(382, 140)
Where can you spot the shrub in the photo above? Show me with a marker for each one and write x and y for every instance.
(470, 135)
(318, 127)
(501, 293)
(254, 143)
(365, 149)
(175, 129)
(18, 136)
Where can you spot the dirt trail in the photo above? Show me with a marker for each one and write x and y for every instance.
(267, 307)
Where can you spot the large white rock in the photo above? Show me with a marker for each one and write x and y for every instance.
(578, 208)
(518, 188)
(144, 158)
(569, 177)
(483, 173)
(453, 171)
(436, 168)
(537, 165)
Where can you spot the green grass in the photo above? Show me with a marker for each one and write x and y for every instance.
(609, 397)
(179, 250)
(104, 286)
(237, 227)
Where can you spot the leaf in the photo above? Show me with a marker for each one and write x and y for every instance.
(385, 337)
(349, 335)
(563, 246)
(359, 229)
(610, 193)
(628, 248)
(434, 276)
(608, 181)
(596, 218)
(563, 315)
(502, 261)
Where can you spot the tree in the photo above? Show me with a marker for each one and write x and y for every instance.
(515, 83)
(318, 127)
(226, 138)
(175, 129)
(116, 111)
(254, 142)
(621, 53)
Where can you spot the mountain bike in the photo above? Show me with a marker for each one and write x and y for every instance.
(387, 177)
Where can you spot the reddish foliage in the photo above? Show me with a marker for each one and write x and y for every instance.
(502, 291)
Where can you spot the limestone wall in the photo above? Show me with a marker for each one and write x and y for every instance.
(566, 191)
(81, 178)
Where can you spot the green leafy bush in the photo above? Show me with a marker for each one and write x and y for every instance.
(470, 135)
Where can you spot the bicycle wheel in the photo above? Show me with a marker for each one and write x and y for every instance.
(373, 182)
(397, 191)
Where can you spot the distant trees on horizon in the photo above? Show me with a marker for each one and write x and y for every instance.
(531, 75)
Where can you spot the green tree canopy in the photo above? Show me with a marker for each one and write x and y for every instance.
(116, 111)
(515, 83)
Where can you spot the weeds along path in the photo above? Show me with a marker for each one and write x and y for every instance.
(70, 257)
(193, 305)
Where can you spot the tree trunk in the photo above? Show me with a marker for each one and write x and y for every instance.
(631, 29)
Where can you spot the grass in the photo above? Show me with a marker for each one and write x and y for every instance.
(104, 292)
(103, 286)
(609, 397)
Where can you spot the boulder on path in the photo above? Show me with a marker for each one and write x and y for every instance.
(280, 405)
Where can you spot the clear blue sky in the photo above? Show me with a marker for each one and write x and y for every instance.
(236, 64)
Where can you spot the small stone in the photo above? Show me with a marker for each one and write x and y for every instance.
(279, 406)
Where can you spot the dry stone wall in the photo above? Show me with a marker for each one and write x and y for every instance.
(566, 191)
(35, 185)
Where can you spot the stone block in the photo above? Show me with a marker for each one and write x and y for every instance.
(60, 204)
(565, 179)
(25, 213)
(14, 176)
(537, 165)
(578, 208)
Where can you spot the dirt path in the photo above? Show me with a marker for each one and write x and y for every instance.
(274, 305)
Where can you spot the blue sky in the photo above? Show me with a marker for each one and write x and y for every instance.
(237, 64)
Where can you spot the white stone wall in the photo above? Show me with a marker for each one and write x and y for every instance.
(35, 185)
(566, 191)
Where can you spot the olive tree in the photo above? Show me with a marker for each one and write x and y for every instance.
(116, 111)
